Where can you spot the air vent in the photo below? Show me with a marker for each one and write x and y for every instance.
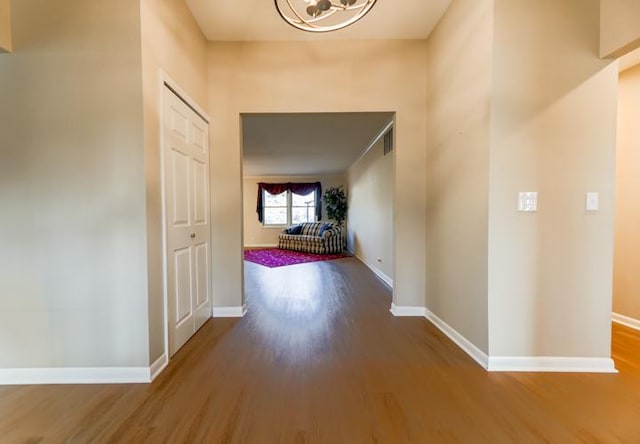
(388, 142)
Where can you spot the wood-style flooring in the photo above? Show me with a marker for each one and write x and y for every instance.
(319, 359)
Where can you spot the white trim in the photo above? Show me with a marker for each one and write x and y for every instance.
(163, 197)
(165, 78)
(626, 321)
(404, 311)
(85, 375)
(469, 348)
(551, 364)
(261, 246)
(158, 366)
(230, 312)
(386, 279)
(506, 363)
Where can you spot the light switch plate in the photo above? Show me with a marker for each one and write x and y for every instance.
(593, 201)
(528, 201)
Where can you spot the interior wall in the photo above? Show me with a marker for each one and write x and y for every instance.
(553, 131)
(5, 26)
(73, 259)
(626, 280)
(619, 30)
(370, 213)
(257, 235)
(172, 43)
(284, 77)
(459, 96)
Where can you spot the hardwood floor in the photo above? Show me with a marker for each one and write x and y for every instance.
(319, 359)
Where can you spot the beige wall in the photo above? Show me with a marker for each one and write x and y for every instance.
(173, 43)
(619, 27)
(370, 215)
(5, 26)
(626, 282)
(459, 93)
(73, 261)
(255, 234)
(553, 131)
(277, 77)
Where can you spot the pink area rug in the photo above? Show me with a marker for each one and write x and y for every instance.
(274, 257)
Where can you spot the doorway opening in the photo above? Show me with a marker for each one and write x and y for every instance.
(626, 279)
(344, 151)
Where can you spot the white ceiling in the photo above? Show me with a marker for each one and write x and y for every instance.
(249, 20)
(307, 144)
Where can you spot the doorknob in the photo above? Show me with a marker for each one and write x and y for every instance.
(193, 235)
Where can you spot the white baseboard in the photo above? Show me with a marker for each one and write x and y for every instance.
(85, 375)
(551, 364)
(383, 277)
(626, 321)
(402, 311)
(230, 312)
(510, 364)
(158, 366)
(474, 352)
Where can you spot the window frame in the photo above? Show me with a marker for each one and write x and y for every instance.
(289, 208)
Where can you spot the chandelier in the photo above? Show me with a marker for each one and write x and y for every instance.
(322, 15)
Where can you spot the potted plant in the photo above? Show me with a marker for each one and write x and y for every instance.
(335, 200)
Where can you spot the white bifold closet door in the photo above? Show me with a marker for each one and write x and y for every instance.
(186, 175)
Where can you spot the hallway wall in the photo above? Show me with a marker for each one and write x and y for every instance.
(458, 143)
(5, 26)
(171, 42)
(370, 216)
(554, 132)
(72, 194)
(253, 77)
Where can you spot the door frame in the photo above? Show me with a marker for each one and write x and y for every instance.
(166, 82)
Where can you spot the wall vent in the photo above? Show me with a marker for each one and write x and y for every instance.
(388, 142)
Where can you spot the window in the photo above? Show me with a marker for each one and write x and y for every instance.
(281, 204)
(303, 208)
(275, 208)
(288, 208)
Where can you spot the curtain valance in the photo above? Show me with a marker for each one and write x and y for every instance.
(301, 189)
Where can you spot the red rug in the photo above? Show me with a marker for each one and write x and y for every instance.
(274, 257)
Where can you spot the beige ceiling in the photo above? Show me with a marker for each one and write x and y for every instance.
(307, 144)
(249, 20)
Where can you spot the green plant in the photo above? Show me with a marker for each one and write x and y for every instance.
(335, 199)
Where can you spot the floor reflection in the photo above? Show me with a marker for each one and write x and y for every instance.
(290, 309)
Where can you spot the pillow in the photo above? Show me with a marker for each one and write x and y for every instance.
(295, 229)
(323, 228)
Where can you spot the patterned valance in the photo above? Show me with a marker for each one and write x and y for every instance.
(301, 189)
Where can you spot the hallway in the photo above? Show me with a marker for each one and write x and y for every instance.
(319, 359)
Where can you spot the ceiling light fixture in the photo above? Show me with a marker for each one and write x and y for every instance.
(322, 15)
